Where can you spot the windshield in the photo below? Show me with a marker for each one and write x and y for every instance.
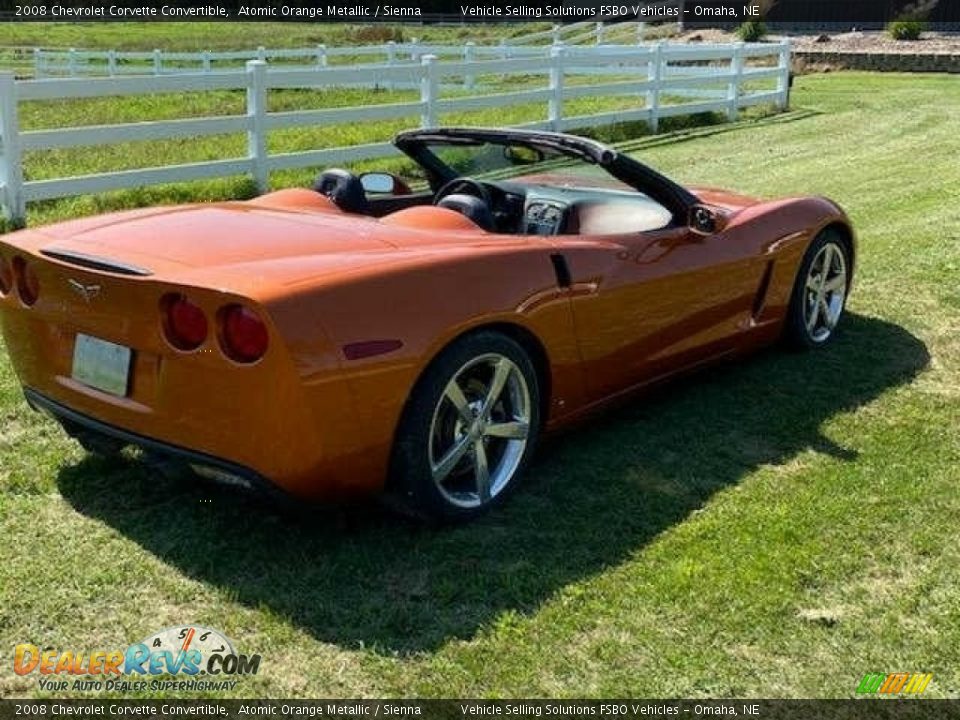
(504, 161)
(543, 158)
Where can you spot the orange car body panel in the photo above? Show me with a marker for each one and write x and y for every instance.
(320, 423)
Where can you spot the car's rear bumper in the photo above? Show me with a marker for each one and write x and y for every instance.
(209, 466)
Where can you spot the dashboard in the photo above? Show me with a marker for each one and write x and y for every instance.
(547, 210)
(531, 210)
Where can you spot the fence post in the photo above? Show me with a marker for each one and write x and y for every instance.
(414, 50)
(257, 122)
(157, 62)
(428, 91)
(321, 55)
(72, 62)
(641, 31)
(111, 62)
(261, 53)
(598, 31)
(391, 61)
(469, 80)
(783, 80)
(37, 62)
(205, 59)
(556, 34)
(654, 76)
(11, 170)
(733, 87)
(555, 107)
(504, 55)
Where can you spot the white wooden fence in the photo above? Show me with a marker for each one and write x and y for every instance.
(713, 76)
(80, 63)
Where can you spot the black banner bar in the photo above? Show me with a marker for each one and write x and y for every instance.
(693, 12)
(863, 709)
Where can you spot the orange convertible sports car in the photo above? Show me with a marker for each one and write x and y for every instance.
(364, 337)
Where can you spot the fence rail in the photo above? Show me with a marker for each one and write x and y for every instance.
(713, 77)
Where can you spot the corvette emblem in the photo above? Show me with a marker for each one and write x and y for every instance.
(87, 292)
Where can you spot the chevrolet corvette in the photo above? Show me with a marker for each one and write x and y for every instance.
(376, 335)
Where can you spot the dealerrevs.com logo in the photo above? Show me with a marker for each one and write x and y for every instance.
(190, 657)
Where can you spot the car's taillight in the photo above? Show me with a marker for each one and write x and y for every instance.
(243, 334)
(6, 277)
(184, 323)
(28, 285)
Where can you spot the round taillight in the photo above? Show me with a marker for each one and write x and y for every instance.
(244, 336)
(6, 277)
(28, 285)
(185, 323)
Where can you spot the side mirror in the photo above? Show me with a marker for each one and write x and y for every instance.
(706, 221)
(522, 154)
(379, 183)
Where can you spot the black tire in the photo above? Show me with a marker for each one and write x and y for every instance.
(426, 422)
(797, 332)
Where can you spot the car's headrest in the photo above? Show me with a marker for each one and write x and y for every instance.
(471, 207)
(344, 188)
(295, 199)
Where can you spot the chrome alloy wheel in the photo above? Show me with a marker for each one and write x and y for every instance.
(825, 292)
(479, 431)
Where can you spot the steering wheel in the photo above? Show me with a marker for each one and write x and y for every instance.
(465, 185)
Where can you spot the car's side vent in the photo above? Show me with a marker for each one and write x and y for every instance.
(761, 296)
(562, 270)
(93, 262)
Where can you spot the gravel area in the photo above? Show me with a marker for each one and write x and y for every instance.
(879, 42)
(929, 42)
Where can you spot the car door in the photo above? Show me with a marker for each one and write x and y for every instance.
(650, 303)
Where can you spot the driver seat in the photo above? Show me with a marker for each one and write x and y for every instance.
(470, 207)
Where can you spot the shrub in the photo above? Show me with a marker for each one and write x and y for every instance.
(906, 29)
(752, 31)
(378, 34)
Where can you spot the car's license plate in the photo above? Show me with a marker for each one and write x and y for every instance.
(102, 365)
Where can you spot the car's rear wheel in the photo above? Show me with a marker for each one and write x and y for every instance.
(820, 292)
(468, 431)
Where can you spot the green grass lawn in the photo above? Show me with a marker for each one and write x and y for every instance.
(777, 527)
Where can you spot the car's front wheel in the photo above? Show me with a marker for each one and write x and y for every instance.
(468, 431)
(820, 292)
